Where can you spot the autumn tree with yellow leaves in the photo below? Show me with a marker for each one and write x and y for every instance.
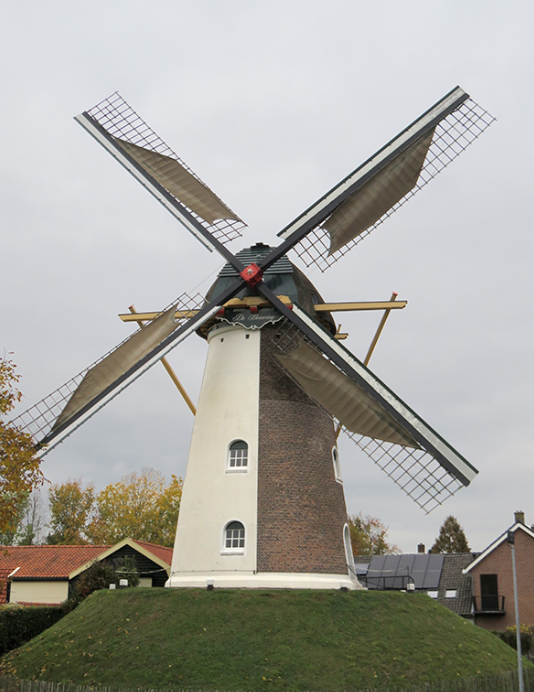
(71, 508)
(19, 464)
(142, 506)
(368, 536)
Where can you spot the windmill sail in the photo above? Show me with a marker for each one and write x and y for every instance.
(342, 397)
(121, 131)
(56, 416)
(177, 180)
(376, 189)
(378, 195)
(119, 361)
(399, 441)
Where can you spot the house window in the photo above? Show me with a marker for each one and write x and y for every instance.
(489, 592)
(451, 593)
(337, 466)
(238, 456)
(234, 537)
(432, 594)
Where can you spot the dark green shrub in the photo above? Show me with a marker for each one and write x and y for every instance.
(526, 634)
(18, 625)
(99, 576)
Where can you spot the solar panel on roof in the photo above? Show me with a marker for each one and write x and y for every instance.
(390, 571)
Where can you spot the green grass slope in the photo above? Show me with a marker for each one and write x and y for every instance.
(250, 640)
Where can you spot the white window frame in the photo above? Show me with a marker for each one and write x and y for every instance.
(239, 550)
(433, 594)
(337, 465)
(349, 555)
(451, 593)
(242, 468)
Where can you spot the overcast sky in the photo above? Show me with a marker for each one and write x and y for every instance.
(271, 104)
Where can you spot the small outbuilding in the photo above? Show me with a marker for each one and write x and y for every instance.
(46, 574)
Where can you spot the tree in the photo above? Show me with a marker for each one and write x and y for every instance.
(9, 535)
(99, 575)
(30, 528)
(369, 536)
(140, 506)
(451, 538)
(70, 511)
(19, 464)
(27, 521)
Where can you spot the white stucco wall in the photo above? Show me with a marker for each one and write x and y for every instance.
(213, 496)
(39, 591)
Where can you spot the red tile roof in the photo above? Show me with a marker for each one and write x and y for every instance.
(159, 551)
(58, 561)
(52, 561)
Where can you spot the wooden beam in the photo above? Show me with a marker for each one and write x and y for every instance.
(375, 305)
(378, 332)
(146, 316)
(256, 301)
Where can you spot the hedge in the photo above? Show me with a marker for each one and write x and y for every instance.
(19, 625)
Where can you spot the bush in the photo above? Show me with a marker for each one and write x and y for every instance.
(19, 625)
(526, 633)
(99, 576)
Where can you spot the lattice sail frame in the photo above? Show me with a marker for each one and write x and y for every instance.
(39, 419)
(452, 136)
(415, 471)
(120, 120)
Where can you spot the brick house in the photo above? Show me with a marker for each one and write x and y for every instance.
(492, 579)
(46, 574)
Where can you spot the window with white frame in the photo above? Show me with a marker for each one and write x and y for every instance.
(337, 465)
(238, 456)
(349, 555)
(234, 537)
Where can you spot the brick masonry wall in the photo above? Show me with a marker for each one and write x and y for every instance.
(499, 562)
(301, 507)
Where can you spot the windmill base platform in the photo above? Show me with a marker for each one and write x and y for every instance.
(265, 581)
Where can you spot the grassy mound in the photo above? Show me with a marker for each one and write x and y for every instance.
(243, 640)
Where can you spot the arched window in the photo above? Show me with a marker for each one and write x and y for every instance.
(234, 536)
(238, 455)
(337, 465)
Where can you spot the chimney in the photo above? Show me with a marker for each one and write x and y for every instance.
(421, 548)
(519, 517)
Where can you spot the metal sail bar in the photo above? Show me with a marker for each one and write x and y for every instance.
(429, 472)
(117, 127)
(42, 418)
(385, 182)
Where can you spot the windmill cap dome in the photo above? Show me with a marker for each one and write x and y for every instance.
(283, 278)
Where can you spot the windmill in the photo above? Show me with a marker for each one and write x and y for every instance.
(263, 502)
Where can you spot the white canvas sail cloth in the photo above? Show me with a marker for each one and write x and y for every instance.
(342, 397)
(378, 195)
(180, 183)
(117, 363)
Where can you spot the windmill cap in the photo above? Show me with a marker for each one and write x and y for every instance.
(282, 278)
